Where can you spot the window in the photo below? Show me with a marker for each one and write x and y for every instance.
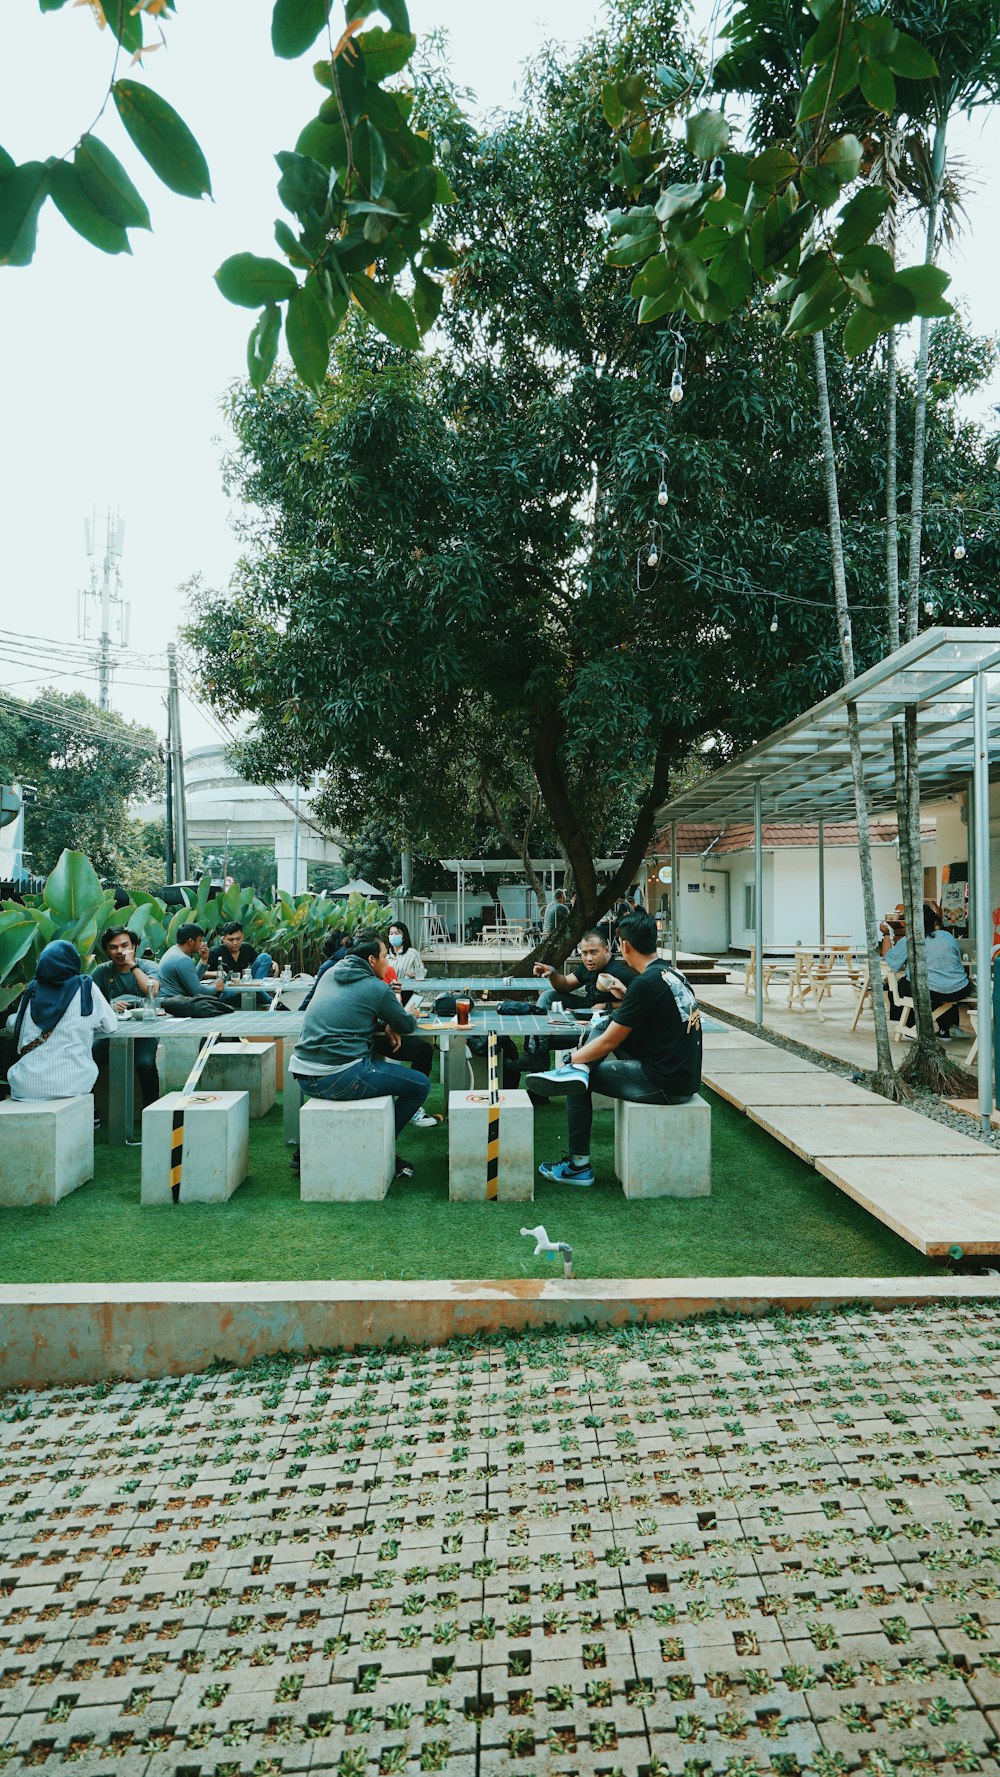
(749, 912)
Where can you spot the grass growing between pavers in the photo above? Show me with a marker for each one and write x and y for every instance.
(769, 1215)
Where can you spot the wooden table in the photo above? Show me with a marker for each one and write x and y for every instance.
(262, 1022)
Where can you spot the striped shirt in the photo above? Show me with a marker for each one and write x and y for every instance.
(63, 1066)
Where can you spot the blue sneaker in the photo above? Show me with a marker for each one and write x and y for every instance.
(557, 1081)
(566, 1172)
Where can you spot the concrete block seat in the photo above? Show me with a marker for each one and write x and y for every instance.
(664, 1150)
(468, 1113)
(176, 1058)
(243, 1067)
(214, 1151)
(346, 1150)
(46, 1149)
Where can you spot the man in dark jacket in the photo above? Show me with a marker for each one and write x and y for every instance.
(337, 1055)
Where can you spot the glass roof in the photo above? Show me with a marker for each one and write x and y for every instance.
(804, 769)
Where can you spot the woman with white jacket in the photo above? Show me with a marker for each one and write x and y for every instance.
(407, 961)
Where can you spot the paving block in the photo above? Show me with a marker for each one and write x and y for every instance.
(46, 1149)
(346, 1150)
(468, 1114)
(817, 1087)
(214, 1151)
(877, 1129)
(664, 1150)
(934, 1206)
(243, 1067)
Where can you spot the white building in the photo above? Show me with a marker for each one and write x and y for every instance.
(223, 808)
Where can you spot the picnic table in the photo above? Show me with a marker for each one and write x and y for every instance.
(262, 1021)
(511, 985)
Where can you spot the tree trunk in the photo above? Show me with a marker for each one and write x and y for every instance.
(884, 1078)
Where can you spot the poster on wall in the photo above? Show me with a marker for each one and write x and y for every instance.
(953, 905)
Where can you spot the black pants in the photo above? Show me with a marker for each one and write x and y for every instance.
(617, 1076)
(417, 1051)
(950, 1019)
(144, 1053)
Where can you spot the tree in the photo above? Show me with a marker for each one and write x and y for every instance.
(361, 184)
(87, 765)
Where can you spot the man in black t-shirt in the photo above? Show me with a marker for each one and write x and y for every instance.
(233, 956)
(649, 1052)
(578, 987)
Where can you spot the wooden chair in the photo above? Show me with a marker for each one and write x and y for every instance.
(904, 1002)
(808, 976)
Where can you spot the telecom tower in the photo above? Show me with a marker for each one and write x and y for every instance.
(101, 608)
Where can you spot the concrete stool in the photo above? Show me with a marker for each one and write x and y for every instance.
(215, 1150)
(347, 1150)
(176, 1057)
(291, 1100)
(46, 1149)
(664, 1150)
(467, 1120)
(243, 1067)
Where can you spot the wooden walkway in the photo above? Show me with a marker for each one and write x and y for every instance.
(935, 1188)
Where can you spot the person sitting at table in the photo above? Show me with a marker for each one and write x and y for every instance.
(578, 985)
(334, 946)
(124, 983)
(556, 914)
(946, 976)
(649, 1051)
(54, 1026)
(234, 956)
(405, 958)
(181, 976)
(352, 1037)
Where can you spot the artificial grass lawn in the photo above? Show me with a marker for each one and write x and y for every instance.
(769, 1214)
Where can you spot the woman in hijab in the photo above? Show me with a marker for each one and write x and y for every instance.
(54, 1027)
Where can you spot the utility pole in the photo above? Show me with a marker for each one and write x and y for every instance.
(295, 846)
(177, 767)
(110, 614)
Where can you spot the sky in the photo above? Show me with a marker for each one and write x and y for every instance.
(113, 370)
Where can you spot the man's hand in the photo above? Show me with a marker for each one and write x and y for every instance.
(545, 969)
(274, 968)
(616, 989)
(203, 950)
(220, 985)
(394, 1038)
(119, 1006)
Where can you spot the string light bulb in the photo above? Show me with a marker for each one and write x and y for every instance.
(677, 387)
(652, 558)
(662, 492)
(774, 621)
(959, 551)
(717, 172)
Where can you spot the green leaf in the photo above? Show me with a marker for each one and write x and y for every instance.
(828, 85)
(707, 134)
(633, 248)
(368, 150)
(382, 304)
(443, 193)
(108, 186)
(691, 273)
(75, 206)
(304, 186)
(7, 162)
(291, 246)
(862, 330)
(17, 934)
(859, 218)
(653, 278)
(817, 307)
(248, 280)
(611, 105)
(652, 307)
(22, 194)
(307, 334)
(731, 270)
(820, 186)
(843, 158)
(73, 889)
(910, 60)
(927, 285)
(877, 86)
(262, 346)
(678, 200)
(416, 193)
(428, 295)
(385, 52)
(323, 140)
(163, 139)
(296, 24)
(124, 21)
(871, 259)
(772, 167)
(892, 301)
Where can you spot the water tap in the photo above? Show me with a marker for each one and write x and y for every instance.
(550, 1247)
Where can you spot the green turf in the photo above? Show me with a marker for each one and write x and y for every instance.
(769, 1214)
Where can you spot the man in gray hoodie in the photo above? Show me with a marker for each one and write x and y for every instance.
(337, 1056)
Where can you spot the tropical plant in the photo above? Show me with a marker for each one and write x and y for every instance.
(73, 905)
(361, 184)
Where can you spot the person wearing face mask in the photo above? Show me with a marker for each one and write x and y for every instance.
(407, 962)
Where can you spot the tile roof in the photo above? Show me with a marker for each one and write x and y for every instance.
(695, 837)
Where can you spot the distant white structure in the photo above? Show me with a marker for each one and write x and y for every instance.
(12, 858)
(221, 804)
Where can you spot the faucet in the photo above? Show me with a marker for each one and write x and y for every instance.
(544, 1245)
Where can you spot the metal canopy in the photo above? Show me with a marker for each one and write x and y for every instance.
(804, 769)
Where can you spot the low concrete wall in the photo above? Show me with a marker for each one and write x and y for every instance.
(64, 1334)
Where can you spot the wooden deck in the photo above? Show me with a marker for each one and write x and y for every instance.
(934, 1187)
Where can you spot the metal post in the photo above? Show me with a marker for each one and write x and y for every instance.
(177, 753)
(981, 876)
(822, 887)
(673, 893)
(406, 871)
(758, 907)
(970, 842)
(295, 845)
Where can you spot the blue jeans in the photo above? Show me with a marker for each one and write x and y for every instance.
(372, 1079)
(261, 966)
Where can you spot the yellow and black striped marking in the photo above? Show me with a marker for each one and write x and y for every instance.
(492, 1120)
(177, 1123)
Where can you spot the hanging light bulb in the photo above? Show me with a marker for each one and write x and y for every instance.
(662, 495)
(774, 621)
(676, 386)
(717, 171)
(959, 551)
(928, 608)
(652, 558)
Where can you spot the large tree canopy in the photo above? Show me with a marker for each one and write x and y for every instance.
(447, 579)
